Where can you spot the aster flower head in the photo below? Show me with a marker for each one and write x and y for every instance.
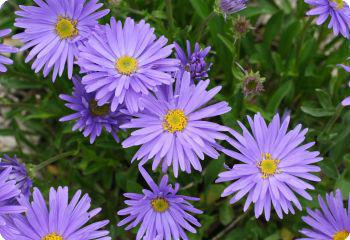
(332, 221)
(91, 118)
(337, 10)
(5, 49)
(18, 174)
(229, 7)
(8, 194)
(61, 219)
(273, 166)
(193, 62)
(253, 83)
(346, 101)
(172, 130)
(54, 39)
(128, 63)
(161, 212)
(241, 26)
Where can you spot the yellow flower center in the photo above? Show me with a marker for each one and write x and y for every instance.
(340, 3)
(66, 28)
(96, 110)
(126, 65)
(341, 235)
(52, 236)
(268, 166)
(160, 204)
(175, 120)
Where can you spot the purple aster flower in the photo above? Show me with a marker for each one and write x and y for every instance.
(18, 173)
(172, 129)
(161, 212)
(5, 49)
(55, 38)
(332, 223)
(346, 101)
(339, 12)
(8, 230)
(193, 62)
(274, 166)
(63, 220)
(8, 193)
(127, 64)
(229, 7)
(91, 118)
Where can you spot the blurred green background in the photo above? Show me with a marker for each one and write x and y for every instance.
(297, 58)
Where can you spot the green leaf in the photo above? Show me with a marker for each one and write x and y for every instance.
(344, 186)
(15, 82)
(317, 112)
(200, 8)
(213, 193)
(325, 99)
(329, 168)
(226, 213)
(212, 171)
(275, 236)
(229, 44)
(273, 27)
(307, 51)
(256, 11)
(287, 38)
(279, 95)
(40, 115)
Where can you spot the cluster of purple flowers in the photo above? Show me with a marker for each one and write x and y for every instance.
(20, 219)
(129, 80)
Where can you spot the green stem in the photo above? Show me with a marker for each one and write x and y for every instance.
(13, 4)
(238, 47)
(15, 105)
(54, 159)
(302, 36)
(169, 13)
(321, 35)
(204, 25)
(135, 11)
(333, 120)
(229, 228)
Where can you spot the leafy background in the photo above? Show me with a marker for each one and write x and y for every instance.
(297, 58)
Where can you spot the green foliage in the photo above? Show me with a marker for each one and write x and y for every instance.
(297, 58)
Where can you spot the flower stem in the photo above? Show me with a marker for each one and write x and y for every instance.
(204, 25)
(54, 159)
(229, 227)
(334, 119)
(169, 12)
(238, 49)
(302, 37)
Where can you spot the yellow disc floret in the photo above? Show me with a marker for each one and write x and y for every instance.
(160, 204)
(174, 120)
(66, 28)
(340, 3)
(341, 235)
(126, 65)
(52, 236)
(96, 110)
(268, 166)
